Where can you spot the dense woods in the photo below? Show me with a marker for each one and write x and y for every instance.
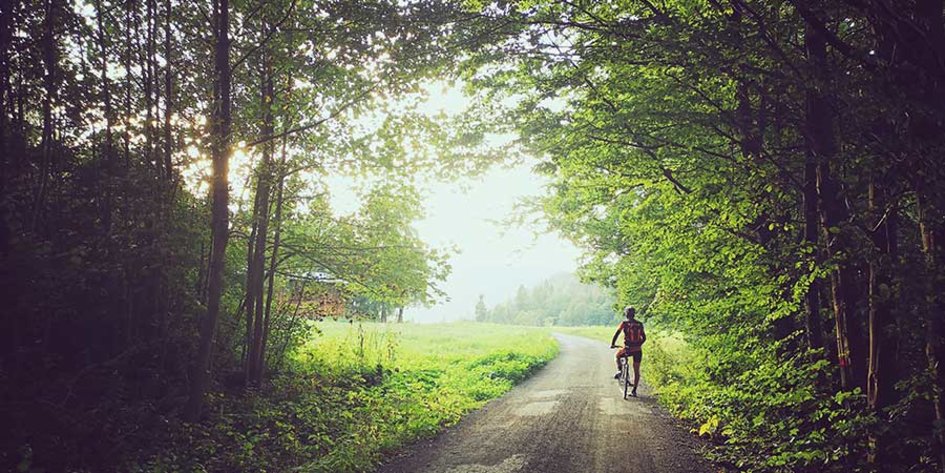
(764, 177)
(761, 177)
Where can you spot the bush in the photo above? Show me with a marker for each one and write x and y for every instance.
(769, 418)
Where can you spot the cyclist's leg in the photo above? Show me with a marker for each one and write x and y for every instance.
(620, 354)
(636, 370)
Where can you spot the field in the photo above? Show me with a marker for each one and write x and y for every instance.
(357, 392)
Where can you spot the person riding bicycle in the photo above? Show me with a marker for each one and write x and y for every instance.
(633, 338)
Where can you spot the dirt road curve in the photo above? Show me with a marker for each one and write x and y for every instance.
(568, 418)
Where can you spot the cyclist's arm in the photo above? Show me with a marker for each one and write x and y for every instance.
(642, 332)
(616, 334)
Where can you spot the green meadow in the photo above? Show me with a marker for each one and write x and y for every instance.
(355, 391)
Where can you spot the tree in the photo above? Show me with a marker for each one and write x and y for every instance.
(559, 300)
(482, 313)
(220, 192)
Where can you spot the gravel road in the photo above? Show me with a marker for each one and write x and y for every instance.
(568, 418)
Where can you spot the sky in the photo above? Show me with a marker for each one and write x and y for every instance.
(494, 259)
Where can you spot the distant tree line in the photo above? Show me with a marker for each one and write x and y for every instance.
(559, 300)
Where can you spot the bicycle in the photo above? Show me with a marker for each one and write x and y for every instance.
(624, 373)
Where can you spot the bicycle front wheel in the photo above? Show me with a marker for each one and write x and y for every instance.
(626, 381)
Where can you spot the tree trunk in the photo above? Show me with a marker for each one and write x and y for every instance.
(106, 94)
(249, 302)
(219, 226)
(168, 93)
(107, 105)
(813, 325)
(400, 314)
(881, 380)
(833, 215)
(263, 189)
(929, 47)
(149, 84)
(819, 134)
(129, 80)
(50, 65)
(274, 257)
(6, 159)
(932, 232)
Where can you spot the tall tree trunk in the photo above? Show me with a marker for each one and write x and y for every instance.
(821, 144)
(400, 314)
(106, 93)
(130, 22)
(168, 92)
(279, 171)
(263, 190)
(274, 256)
(219, 226)
(6, 38)
(932, 232)
(929, 47)
(881, 379)
(148, 68)
(833, 215)
(249, 301)
(8, 157)
(813, 324)
(50, 66)
(107, 105)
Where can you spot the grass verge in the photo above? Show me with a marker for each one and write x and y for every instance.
(356, 393)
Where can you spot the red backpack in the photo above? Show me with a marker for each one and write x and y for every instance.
(633, 333)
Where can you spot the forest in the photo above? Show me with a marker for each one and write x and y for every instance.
(761, 178)
(559, 300)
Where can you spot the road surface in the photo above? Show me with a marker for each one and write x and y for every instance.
(569, 418)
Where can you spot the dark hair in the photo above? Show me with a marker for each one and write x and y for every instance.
(629, 311)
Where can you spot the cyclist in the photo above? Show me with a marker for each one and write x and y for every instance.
(633, 338)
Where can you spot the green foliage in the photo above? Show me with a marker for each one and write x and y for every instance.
(743, 173)
(373, 258)
(749, 174)
(749, 415)
(354, 393)
(105, 132)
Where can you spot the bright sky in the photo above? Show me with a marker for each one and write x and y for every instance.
(494, 259)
